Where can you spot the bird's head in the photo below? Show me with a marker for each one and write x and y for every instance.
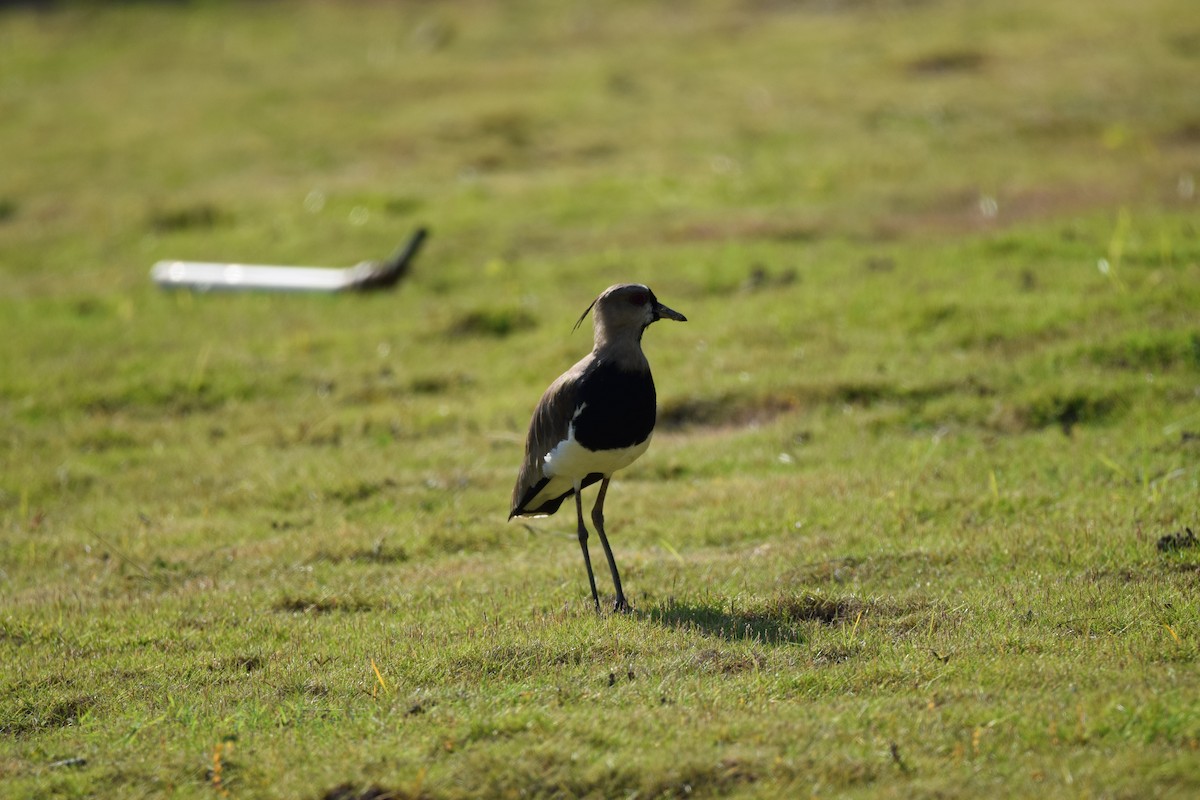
(627, 307)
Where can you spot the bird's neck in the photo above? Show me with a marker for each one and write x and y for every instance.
(623, 349)
(607, 333)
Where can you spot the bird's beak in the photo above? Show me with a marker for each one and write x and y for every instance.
(662, 312)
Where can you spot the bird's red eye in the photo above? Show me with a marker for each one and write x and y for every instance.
(637, 299)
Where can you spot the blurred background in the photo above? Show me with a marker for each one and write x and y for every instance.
(931, 203)
(941, 265)
(311, 132)
(924, 208)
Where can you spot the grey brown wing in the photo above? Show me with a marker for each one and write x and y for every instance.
(550, 425)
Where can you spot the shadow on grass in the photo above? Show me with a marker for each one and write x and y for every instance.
(780, 620)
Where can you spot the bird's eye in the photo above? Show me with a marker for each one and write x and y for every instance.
(637, 299)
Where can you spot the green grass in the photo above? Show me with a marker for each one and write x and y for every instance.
(937, 401)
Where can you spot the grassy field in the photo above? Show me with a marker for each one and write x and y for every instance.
(897, 535)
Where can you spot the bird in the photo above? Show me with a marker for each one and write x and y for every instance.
(595, 419)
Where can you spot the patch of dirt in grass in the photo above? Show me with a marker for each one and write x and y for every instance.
(1007, 344)
(538, 773)
(202, 216)
(828, 7)
(384, 386)
(876, 567)
(495, 139)
(727, 410)
(440, 384)
(945, 62)
(835, 570)
(349, 791)
(809, 608)
(1188, 438)
(175, 401)
(495, 323)
(519, 660)
(546, 772)
(325, 605)
(10, 634)
(1148, 351)
(359, 491)
(458, 538)
(378, 554)
(160, 573)
(168, 398)
(1185, 135)
(250, 663)
(720, 621)
(955, 211)
(727, 228)
(60, 714)
(712, 660)
(781, 619)
(706, 779)
(104, 439)
(835, 654)
(738, 410)
(1068, 409)
(968, 210)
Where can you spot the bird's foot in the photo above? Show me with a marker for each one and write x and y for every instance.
(621, 606)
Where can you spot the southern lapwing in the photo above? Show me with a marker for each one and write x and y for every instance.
(594, 420)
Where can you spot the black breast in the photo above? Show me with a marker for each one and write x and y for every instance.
(620, 408)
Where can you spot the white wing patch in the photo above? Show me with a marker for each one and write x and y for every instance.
(570, 462)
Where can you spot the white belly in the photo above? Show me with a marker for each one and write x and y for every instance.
(571, 462)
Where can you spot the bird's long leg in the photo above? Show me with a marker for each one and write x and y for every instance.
(598, 520)
(583, 537)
